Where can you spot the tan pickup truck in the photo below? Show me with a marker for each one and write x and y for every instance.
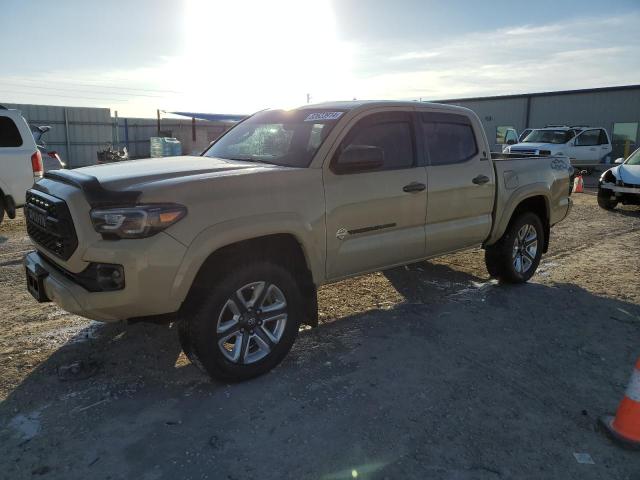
(233, 244)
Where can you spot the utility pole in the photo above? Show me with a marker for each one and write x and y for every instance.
(117, 135)
(158, 122)
(308, 98)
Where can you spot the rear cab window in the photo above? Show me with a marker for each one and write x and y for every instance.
(9, 133)
(449, 138)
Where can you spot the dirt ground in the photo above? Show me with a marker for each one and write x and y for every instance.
(427, 371)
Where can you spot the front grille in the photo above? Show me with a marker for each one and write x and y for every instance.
(524, 151)
(49, 224)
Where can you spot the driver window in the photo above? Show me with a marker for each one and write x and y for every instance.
(393, 137)
(589, 138)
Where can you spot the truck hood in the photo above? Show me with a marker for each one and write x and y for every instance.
(136, 174)
(536, 146)
(627, 173)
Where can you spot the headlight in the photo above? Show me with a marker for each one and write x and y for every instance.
(608, 177)
(136, 222)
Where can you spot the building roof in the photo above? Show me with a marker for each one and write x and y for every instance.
(543, 94)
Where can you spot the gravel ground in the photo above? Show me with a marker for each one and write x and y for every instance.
(426, 371)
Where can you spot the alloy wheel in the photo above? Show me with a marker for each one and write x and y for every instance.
(525, 248)
(252, 322)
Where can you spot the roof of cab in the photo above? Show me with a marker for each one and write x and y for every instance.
(358, 104)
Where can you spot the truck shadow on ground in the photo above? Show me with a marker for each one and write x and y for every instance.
(514, 345)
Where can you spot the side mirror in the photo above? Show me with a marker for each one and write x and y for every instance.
(359, 158)
(619, 160)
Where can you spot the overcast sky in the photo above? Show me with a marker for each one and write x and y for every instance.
(239, 56)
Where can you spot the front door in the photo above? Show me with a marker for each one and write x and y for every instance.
(376, 217)
(590, 147)
(461, 182)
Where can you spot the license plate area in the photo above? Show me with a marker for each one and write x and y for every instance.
(35, 283)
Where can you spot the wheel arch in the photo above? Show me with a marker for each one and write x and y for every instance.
(539, 205)
(208, 260)
(532, 201)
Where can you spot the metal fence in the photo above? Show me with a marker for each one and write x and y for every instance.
(78, 133)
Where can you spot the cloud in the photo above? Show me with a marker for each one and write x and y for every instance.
(585, 52)
(414, 56)
(260, 68)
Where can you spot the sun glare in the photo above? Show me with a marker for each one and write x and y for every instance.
(245, 54)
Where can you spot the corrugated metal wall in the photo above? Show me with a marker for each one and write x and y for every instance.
(78, 133)
(88, 129)
(594, 108)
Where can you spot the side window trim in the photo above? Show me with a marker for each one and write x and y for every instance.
(368, 121)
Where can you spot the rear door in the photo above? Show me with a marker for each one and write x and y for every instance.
(16, 147)
(376, 218)
(461, 182)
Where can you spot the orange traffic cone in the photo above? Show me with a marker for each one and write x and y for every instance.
(578, 184)
(624, 428)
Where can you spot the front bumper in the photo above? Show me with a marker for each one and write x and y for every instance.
(619, 189)
(150, 268)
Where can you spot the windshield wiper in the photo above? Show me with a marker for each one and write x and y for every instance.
(249, 159)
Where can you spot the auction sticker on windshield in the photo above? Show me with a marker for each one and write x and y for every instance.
(312, 117)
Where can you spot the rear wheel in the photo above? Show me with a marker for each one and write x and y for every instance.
(606, 199)
(516, 256)
(246, 324)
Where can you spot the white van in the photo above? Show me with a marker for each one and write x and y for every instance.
(585, 146)
(20, 161)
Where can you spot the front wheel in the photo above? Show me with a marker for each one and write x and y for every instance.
(245, 324)
(606, 199)
(516, 256)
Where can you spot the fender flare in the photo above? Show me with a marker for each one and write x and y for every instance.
(223, 234)
(539, 189)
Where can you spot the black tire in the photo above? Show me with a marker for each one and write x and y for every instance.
(1, 208)
(500, 258)
(604, 199)
(198, 328)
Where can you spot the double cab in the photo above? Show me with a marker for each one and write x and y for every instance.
(232, 244)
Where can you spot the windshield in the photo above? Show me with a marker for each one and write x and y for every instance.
(287, 138)
(549, 136)
(634, 158)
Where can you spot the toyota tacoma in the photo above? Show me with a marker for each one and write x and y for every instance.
(233, 244)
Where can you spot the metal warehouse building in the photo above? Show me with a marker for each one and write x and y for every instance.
(617, 109)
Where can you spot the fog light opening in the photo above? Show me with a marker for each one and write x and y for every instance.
(110, 277)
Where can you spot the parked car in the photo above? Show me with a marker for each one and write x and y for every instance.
(50, 158)
(20, 161)
(233, 244)
(621, 184)
(585, 146)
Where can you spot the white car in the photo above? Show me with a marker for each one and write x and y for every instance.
(585, 146)
(621, 184)
(20, 161)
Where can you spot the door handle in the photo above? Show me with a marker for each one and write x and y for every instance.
(414, 187)
(480, 180)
